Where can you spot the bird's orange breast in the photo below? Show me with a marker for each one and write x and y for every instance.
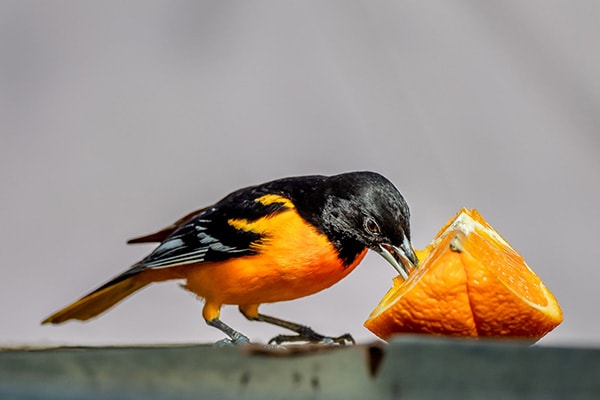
(292, 260)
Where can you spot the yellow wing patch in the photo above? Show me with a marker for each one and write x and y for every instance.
(261, 225)
(275, 198)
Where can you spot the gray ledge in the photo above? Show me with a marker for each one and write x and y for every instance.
(408, 367)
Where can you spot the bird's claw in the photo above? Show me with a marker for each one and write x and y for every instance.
(227, 342)
(224, 343)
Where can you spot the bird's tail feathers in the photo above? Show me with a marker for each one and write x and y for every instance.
(98, 301)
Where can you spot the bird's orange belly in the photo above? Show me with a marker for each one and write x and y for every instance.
(293, 261)
(262, 279)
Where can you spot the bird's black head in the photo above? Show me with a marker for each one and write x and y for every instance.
(364, 209)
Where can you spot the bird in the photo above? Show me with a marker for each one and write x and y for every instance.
(276, 241)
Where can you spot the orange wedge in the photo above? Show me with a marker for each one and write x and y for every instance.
(469, 282)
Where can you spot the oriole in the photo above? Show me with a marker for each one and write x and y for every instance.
(276, 241)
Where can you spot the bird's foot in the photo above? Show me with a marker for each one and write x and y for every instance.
(224, 343)
(274, 346)
(234, 341)
(306, 334)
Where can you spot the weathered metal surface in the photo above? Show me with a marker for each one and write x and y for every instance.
(407, 368)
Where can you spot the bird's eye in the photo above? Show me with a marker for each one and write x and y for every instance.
(371, 226)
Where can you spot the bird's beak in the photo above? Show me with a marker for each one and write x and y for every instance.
(402, 258)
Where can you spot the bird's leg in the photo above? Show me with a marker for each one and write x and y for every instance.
(236, 337)
(304, 333)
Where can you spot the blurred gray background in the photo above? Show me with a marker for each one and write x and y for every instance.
(117, 119)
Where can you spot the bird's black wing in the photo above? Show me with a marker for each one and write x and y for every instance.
(206, 237)
(209, 236)
(159, 236)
